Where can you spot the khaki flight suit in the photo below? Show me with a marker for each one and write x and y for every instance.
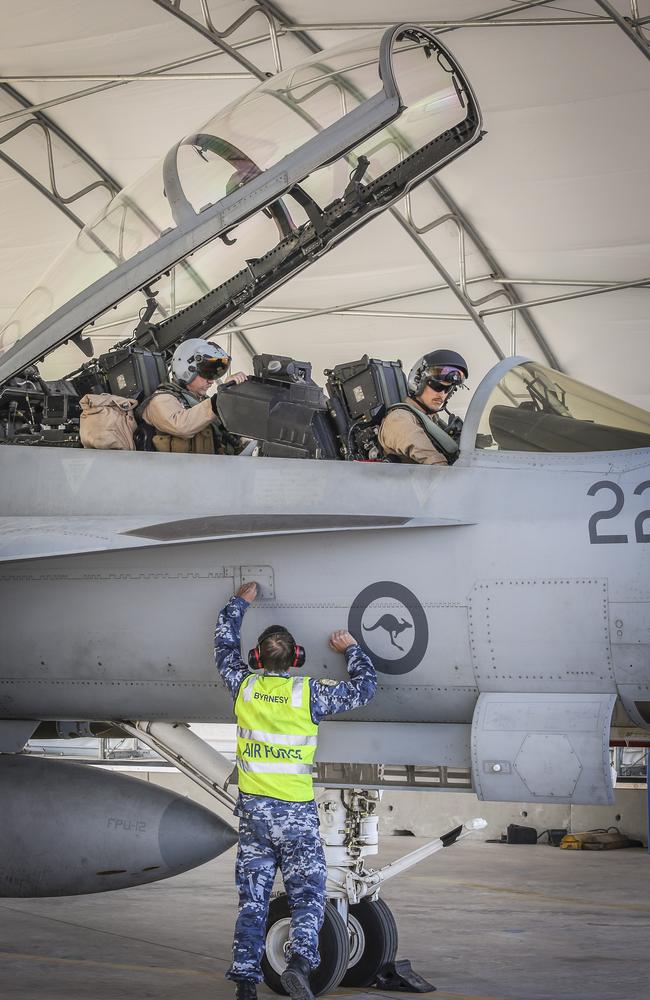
(182, 428)
(402, 434)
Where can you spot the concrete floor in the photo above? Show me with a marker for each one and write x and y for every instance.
(480, 921)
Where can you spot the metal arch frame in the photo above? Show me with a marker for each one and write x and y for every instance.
(50, 128)
(463, 224)
(61, 134)
(173, 7)
(53, 195)
(162, 72)
(631, 26)
(175, 244)
(206, 28)
(273, 13)
(291, 314)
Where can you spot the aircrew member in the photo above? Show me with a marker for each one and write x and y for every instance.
(277, 726)
(184, 417)
(411, 430)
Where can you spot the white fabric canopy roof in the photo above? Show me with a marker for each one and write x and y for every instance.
(556, 192)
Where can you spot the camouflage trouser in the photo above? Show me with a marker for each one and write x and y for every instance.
(272, 835)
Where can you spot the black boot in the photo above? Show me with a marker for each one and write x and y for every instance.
(295, 979)
(246, 990)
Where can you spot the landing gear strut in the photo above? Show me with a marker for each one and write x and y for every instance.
(359, 934)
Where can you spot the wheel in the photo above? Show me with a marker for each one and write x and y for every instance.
(333, 944)
(373, 941)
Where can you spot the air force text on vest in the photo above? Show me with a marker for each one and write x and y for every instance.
(262, 751)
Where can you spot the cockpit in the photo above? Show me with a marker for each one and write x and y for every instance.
(282, 411)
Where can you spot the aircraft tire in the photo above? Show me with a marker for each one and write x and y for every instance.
(333, 944)
(373, 941)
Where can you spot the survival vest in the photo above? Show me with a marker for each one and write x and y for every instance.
(276, 737)
(213, 439)
(441, 441)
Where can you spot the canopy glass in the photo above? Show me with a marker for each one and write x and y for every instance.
(247, 138)
(533, 408)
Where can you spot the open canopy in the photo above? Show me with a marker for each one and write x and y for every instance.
(341, 137)
(550, 206)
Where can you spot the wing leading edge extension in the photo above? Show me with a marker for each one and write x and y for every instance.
(28, 538)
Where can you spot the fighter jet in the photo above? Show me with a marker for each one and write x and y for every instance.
(504, 598)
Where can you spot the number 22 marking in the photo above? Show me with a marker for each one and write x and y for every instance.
(603, 515)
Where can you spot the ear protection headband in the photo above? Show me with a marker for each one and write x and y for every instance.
(255, 657)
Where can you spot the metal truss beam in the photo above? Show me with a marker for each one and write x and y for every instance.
(493, 264)
(155, 73)
(144, 77)
(501, 18)
(440, 26)
(49, 129)
(617, 287)
(52, 194)
(445, 25)
(218, 38)
(22, 172)
(627, 25)
(291, 314)
(463, 221)
(279, 23)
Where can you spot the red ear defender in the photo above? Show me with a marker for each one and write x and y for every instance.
(255, 656)
(254, 659)
(299, 656)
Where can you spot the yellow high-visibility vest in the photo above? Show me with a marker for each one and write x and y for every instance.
(276, 737)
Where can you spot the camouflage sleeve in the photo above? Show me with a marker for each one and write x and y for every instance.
(227, 649)
(330, 697)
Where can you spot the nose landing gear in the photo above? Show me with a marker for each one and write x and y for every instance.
(333, 945)
(359, 935)
(373, 941)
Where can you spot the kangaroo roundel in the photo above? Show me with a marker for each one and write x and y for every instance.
(390, 624)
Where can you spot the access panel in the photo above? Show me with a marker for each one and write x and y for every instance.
(543, 748)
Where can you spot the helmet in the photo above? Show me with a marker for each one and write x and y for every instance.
(427, 367)
(198, 357)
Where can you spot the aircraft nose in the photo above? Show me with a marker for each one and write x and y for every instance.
(189, 836)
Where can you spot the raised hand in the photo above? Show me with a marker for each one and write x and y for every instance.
(248, 591)
(341, 639)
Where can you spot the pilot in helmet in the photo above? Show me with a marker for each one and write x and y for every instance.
(181, 412)
(411, 429)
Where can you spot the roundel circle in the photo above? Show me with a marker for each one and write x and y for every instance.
(390, 625)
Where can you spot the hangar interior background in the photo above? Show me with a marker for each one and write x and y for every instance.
(552, 204)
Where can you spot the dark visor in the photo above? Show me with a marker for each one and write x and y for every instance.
(208, 367)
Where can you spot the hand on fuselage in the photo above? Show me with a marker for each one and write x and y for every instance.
(248, 591)
(341, 639)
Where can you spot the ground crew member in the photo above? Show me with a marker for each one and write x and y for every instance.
(411, 430)
(179, 410)
(277, 725)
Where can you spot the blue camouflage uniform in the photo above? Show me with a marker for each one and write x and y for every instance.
(274, 833)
